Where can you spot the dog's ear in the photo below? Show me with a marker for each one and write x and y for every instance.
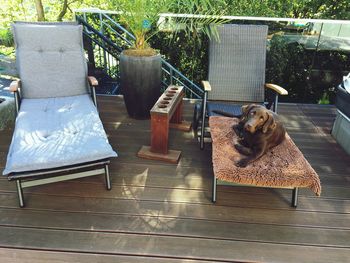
(247, 108)
(244, 109)
(269, 123)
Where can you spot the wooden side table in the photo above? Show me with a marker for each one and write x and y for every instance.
(166, 113)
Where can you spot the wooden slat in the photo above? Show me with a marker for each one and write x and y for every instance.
(165, 246)
(176, 227)
(38, 256)
(223, 211)
(159, 212)
(157, 192)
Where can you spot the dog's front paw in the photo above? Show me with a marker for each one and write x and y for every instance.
(242, 163)
(238, 130)
(238, 147)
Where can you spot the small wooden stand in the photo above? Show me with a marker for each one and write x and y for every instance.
(167, 112)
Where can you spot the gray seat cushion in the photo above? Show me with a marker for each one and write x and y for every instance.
(50, 59)
(57, 132)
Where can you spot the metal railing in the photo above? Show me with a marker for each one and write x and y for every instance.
(103, 57)
(306, 56)
(109, 39)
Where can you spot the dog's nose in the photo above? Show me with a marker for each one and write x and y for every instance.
(248, 127)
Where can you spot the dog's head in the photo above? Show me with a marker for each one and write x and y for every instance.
(245, 112)
(257, 117)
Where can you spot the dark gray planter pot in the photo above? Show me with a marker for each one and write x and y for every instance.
(140, 83)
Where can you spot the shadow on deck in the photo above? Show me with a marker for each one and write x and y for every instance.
(160, 212)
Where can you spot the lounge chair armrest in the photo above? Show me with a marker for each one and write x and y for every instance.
(92, 81)
(15, 86)
(276, 88)
(93, 84)
(206, 85)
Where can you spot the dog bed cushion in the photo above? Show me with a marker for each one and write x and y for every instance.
(56, 132)
(283, 166)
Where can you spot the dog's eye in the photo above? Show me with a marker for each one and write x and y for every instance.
(252, 113)
(262, 118)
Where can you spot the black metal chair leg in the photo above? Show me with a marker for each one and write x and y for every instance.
(93, 95)
(107, 177)
(195, 119)
(20, 193)
(275, 104)
(214, 189)
(204, 109)
(295, 197)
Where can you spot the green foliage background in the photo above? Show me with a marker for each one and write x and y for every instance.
(327, 9)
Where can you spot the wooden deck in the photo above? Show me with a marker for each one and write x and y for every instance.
(158, 212)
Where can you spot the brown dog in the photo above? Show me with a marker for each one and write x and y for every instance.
(238, 128)
(259, 130)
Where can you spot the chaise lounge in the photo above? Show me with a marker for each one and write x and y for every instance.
(58, 133)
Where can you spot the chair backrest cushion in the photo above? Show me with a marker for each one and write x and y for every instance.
(237, 63)
(50, 59)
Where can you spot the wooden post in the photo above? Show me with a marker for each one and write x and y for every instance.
(167, 112)
(159, 134)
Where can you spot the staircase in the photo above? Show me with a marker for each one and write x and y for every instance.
(105, 39)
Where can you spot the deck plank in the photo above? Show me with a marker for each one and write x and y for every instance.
(179, 227)
(166, 246)
(158, 212)
(39, 256)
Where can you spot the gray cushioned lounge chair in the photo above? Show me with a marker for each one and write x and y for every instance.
(58, 133)
(236, 73)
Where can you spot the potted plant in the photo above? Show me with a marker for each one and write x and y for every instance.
(140, 65)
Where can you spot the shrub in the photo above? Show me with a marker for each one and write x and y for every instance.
(6, 37)
(308, 75)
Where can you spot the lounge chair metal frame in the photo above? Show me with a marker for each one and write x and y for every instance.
(216, 182)
(58, 48)
(35, 178)
(257, 36)
(27, 179)
(219, 89)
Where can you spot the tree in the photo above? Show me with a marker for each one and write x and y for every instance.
(66, 6)
(326, 9)
(63, 10)
(39, 10)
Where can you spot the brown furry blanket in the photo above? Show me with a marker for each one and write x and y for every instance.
(283, 166)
